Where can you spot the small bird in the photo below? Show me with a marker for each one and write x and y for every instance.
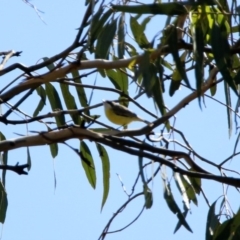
(119, 114)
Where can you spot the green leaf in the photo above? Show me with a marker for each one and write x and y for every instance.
(89, 169)
(189, 189)
(235, 29)
(183, 222)
(182, 190)
(97, 24)
(105, 39)
(121, 37)
(145, 22)
(54, 149)
(235, 226)
(118, 79)
(225, 230)
(175, 83)
(198, 46)
(163, 8)
(55, 103)
(41, 92)
(148, 196)
(221, 52)
(106, 171)
(169, 198)
(173, 46)
(147, 75)
(2, 137)
(173, 205)
(157, 90)
(49, 66)
(213, 89)
(237, 78)
(179, 224)
(138, 33)
(229, 112)
(81, 92)
(212, 222)
(195, 182)
(70, 102)
(3, 203)
(131, 50)
(4, 158)
(29, 161)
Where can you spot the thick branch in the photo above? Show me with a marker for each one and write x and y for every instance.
(19, 169)
(44, 138)
(89, 64)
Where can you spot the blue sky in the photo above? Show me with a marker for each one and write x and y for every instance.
(73, 210)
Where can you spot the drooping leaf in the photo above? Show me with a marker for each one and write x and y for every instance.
(49, 66)
(41, 92)
(106, 172)
(229, 112)
(121, 37)
(175, 83)
(189, 189)
(131, 50)
(173, 205)
(81, 92)
(198, 46)
(195, 182)
(163, 8)
(89, 169)
(98, 21)
(2, 137)
(182, 221)
(118, 79)
(70, 102)
(145, 22)
(55, 103)
(224, 230)
(173, 46)
(235, 226)
(179, 224)
(147, 76)
(4, 171)
(3, 203)
(157, 91)
(237, 78)
(54, 149)
(212, 222)
(182, 190)
(29, 161)
(4, 159)
(105, 39)
(148, 196)
(138, 33)
(221, 52)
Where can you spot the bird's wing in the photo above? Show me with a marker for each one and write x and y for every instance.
(123, 111)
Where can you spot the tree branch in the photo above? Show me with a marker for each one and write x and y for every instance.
(19, 169)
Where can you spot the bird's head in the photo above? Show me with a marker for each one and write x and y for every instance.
(107, 104)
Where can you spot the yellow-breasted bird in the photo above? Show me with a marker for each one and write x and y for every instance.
(119, 114)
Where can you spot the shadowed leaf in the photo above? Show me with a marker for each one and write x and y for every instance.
(106, 171)
(89, 170)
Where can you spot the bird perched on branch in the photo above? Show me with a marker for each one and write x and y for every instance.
(119, 114)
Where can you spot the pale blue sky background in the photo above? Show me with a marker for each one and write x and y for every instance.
(72, 211)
